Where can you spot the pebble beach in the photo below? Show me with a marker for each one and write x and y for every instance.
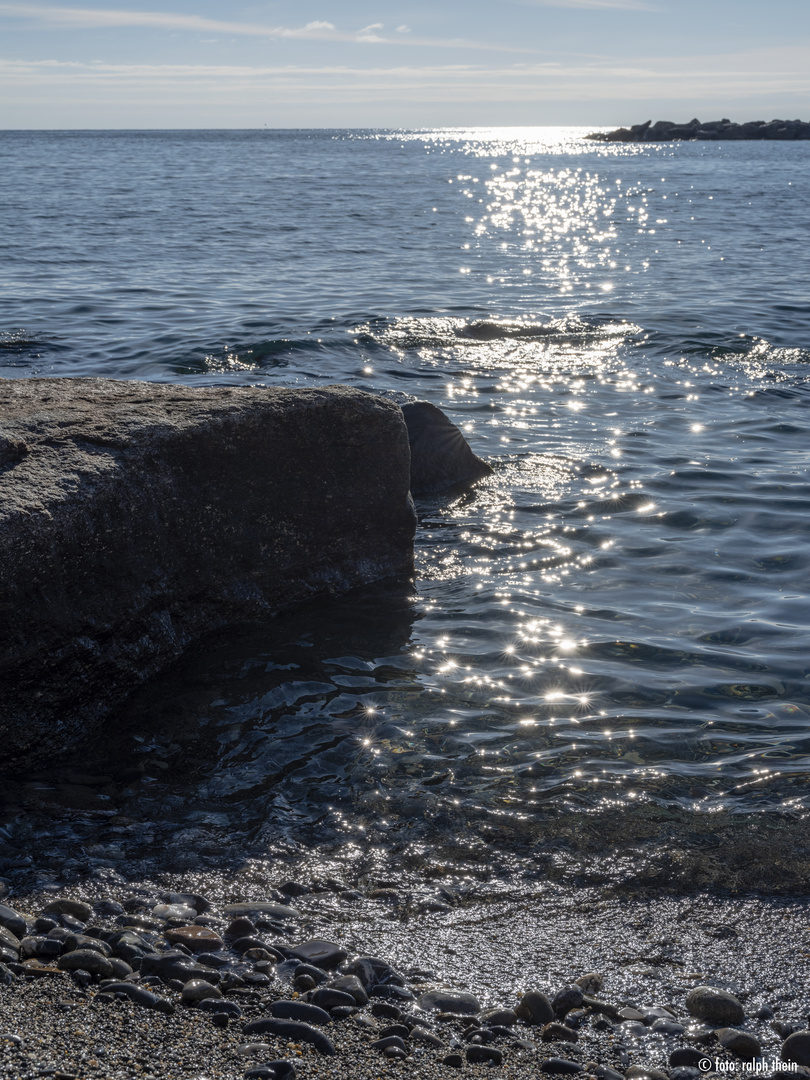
(324, 980)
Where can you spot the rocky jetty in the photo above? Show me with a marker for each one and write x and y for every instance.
(712, 130)
(136, 517)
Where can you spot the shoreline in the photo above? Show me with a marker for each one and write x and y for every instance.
(495, 943)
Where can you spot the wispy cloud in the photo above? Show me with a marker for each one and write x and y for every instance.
(593, 5)
(716, 78)
(96, 18)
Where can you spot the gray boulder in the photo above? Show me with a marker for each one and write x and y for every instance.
(441, 457)
(136, 517)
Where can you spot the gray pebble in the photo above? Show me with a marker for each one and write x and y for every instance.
(796, 1048)
(741, 1043)
(556, 1032)
(714, 1005)
(444, 1001)
(645, 1072)
(535, 1008)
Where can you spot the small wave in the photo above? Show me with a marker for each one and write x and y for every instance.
(18, 341)
(442, 332)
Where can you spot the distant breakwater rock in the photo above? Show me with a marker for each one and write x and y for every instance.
(136, 517)
(713, 130)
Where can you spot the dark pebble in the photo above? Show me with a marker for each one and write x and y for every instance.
(484, 1053)
(139, 996)
(556, 1032)
(217, 1005)
(394, 993)
(535, 1008)
(13, 921)
(299, 1010)
(391, 1040)
(385, 1011)
(316, 973)
(796, 1048)
(570, 997)
(685, 1072)
(350, 984)
(327, 998)
(220, 1019)
(686, 1055)
(396, 1029)
(290, 1029)
(560, 1065)
(323, 954)
(455, 1061)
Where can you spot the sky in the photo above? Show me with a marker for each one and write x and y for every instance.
(400, 63)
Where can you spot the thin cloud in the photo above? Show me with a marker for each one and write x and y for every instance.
(403, 29)
(87, 18)
(592, 5)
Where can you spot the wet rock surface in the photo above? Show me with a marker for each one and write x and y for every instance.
(228, 1014)
(712, 130)
(142, 516)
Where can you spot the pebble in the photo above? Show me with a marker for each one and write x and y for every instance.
(455, 1061)
(324, 954)
(714, 1005)
(389, 1040)
(77, 908)
(300, 1010)
(445, 1001)
(329, 998)
(139, 996)
(13, 921)
(570, 997)
(741, 1043)
(535, 1008)
(796, 1048)
(198, 990)
(686, 1056)
(195, 938)
(484, 1053)
(290, 1029)
(560, 1065)
(86, 960)
(220, 1005)
(351, 985)
(504, 1017)
(644, 1072)
(555, 1032)
(267, 909)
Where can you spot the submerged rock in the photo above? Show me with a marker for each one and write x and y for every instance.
(142, 516)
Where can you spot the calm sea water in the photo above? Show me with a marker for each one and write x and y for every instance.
(611, 629)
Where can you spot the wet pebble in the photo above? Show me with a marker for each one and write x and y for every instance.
(535, 1008)
(714, 1005)
(445, 1001)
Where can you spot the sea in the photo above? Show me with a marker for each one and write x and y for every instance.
(601, 671)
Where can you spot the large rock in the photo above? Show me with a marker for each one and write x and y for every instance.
(667, 131)
(135, 517)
